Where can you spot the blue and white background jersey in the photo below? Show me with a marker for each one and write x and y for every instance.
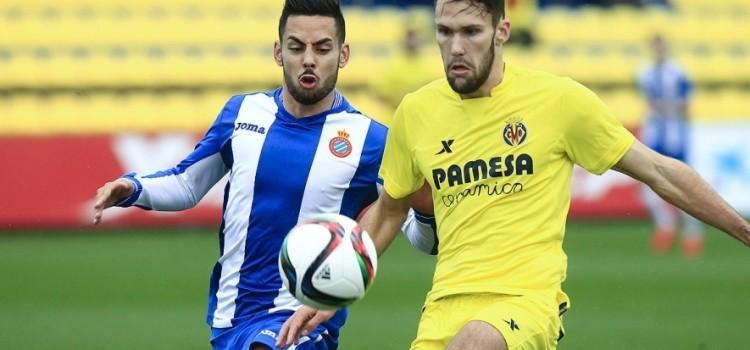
(281, 170)
(667, 89)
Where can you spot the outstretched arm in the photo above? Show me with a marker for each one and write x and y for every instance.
(184, 185)
(176, 189)
(680, 185)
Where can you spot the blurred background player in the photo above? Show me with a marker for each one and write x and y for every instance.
(666, 129)
(295, 152)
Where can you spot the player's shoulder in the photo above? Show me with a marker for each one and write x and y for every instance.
(645, 69)
(568, 94)
(538, 79)
(351, 119)
(527, 73)
(350, 111)
(438, 87)
(264, 95)
(376, 129)
(675, 67)
(264, 100)
(435, 92)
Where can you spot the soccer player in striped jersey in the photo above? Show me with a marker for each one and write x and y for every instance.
(291, 153)
(668, 89)
(497, 143)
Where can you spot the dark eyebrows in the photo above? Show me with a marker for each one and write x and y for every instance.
(323, 41)
(319, 42)
(461, 28)
(472, 27)
(296, 41)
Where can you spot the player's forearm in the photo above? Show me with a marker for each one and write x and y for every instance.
(167, 193)
(682, 186)
(178, 188)
(384, 220)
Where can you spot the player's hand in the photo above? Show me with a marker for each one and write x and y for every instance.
(301, 323)
(109, 195)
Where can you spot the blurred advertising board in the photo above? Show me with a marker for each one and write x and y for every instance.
(51, 181)
(719, 152)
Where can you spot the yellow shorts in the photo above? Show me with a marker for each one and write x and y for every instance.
(526, 321)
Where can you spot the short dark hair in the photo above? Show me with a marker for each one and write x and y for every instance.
(326, 8)
(494, 7)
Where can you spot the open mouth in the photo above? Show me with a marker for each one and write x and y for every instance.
(308, 81)
(459, 69)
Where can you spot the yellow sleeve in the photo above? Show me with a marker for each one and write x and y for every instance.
(594, 138)
(400, 174)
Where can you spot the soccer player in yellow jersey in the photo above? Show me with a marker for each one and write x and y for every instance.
(497, 144)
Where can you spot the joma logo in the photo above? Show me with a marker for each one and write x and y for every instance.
(250, 127)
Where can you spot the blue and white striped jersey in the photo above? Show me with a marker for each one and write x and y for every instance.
(281, 170)
(667, 89)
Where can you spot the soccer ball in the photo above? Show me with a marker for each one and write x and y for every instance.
(328, 261)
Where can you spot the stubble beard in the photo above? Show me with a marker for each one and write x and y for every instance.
(474, 83)
(310, 97)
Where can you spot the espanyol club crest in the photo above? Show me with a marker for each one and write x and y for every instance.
(515, 132)
(340, 145)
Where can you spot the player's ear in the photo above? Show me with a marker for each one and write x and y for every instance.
(502, 32)
(277, 53)
(344, 55)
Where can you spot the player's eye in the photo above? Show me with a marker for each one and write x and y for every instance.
(323, 50)
(471, 31)
(296, 49)
(444, 31)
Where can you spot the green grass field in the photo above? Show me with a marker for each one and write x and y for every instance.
(148, 290)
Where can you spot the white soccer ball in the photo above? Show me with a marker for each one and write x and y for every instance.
(328, 261)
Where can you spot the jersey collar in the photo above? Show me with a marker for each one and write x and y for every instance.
(340, 104)
(508, 75)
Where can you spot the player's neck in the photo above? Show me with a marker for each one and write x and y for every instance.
(497, 73)
(299, 110)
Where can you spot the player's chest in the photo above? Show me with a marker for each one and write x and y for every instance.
(497, 146)
(289, 157)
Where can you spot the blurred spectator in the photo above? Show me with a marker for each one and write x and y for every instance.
(667, 89)
(521, 14)
(406, 71)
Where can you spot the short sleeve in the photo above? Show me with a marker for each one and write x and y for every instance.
(593, 137)
(399, 171)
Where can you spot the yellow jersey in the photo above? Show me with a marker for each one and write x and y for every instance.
(500, 170)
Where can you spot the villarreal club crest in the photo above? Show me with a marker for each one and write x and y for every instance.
(515, 132)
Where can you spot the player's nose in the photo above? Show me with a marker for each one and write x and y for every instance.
(308, 59)
(457, 48)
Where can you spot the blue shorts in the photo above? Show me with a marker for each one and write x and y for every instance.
(263, 330)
